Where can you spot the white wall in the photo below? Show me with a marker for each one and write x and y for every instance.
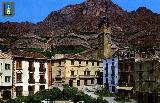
(5, 72)
(25, 77)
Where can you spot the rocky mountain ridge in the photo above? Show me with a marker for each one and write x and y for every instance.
(78, 25)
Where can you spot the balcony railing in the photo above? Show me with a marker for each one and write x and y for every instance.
(42, 69)
(42, 80)
(19, 68)
(31, 69)
(31, 81)
(87, 76)
(19, 81)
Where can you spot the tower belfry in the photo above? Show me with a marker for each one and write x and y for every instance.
(106, 48)
(8, 10)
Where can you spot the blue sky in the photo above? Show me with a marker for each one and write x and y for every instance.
(36, 10)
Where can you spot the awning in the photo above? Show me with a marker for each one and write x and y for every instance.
(124, 88)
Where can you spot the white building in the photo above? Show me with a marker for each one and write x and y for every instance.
(30, 73)
(5, 76)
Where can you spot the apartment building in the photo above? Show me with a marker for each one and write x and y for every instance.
(147, 78)
(75, 70)
(30, 73)
(5, 76)
(126, 71)
(110, 74)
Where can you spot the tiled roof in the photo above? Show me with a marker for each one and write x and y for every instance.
(27, 54)
(72, 56)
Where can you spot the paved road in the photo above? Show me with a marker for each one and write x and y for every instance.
(109, 99)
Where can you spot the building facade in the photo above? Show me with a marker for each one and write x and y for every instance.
(110, 74)
(75, 71)
(5, 76)
(147, 78)
(30, 73)
(126, 71)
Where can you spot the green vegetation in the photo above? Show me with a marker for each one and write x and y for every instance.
(121, 98)
(4, 48)
(39, 50)
(11, 38)
(68, 93)
(58, 50)
(71, 49)
(104, 92)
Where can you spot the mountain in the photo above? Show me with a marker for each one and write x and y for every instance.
(78, 25)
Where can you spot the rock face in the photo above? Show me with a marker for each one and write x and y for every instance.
(82, 20)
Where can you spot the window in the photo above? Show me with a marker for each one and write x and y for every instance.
(97, 63)
(19, 77)
(140, 76)
(88, 72)
(126, 66)
(31, 64)
(106, 67)
(59, 72)
(19, 90)
(92, 81)
(7, 66)
(72, 73)
(113, 88)
(84, 72)
(79, 62)
(86, 62)
(140, 66)
(112, 63)
(41, 87)
(112, 67)
(42, 65)
(78, 82)
(31, 90)
(19, 64)
(7, 78)
(59, 62)
(72, 62)
(92, 63)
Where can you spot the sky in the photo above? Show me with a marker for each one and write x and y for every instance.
(36, 10)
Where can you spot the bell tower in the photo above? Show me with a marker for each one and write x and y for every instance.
(106, 48)
(8, 10)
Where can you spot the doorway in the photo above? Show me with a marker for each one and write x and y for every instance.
(70, 83)
(6, 94)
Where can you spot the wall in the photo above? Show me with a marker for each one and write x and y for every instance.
(109, 61)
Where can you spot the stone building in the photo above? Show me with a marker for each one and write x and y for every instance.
(5, 76)
(126, 71)
(31, 73)
(75, 70)
(106, 48)
(147, 77)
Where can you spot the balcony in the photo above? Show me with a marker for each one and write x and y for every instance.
(31, 81)
(58, 76)
(42, 81)
(87, 76)
(19, 68)
(42, 69)
(31, 69)
(19, 81)
(73, 76)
